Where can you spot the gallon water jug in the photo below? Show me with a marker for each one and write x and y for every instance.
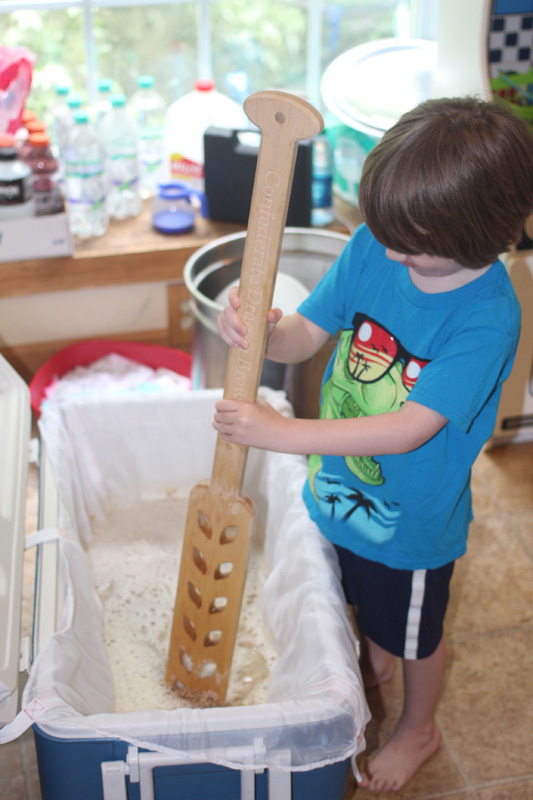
(186, 122)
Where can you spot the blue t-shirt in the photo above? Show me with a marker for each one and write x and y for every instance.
(449, 351)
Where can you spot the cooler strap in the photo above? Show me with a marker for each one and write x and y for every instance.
(46, 535)
(355, 769)
(26, 718)
(31, 713)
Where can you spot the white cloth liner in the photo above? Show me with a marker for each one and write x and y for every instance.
(114, 375)
(133, 448)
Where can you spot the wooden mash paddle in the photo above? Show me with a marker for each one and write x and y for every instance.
(219, 517)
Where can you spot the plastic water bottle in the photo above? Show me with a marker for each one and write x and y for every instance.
(121, 145)
(74, 104)
(148, 109)
(57, 119)
(85, 179)
(103, 101)
(322, 184)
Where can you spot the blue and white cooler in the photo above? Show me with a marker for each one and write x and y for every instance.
(126, 448)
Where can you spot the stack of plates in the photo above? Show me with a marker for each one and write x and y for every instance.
(288, 293)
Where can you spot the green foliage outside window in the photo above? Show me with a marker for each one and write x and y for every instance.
(254, 44)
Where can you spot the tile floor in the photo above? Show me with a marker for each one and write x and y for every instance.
(486, 710)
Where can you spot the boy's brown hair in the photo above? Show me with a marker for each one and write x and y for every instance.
(452, 178)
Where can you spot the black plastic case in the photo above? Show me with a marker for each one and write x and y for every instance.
(230, 163)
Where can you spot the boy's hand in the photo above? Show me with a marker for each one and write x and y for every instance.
(251, 424)
(231, 327)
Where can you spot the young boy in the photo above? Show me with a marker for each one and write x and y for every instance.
(429, 325)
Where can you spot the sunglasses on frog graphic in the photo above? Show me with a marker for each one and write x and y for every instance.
(374, 351)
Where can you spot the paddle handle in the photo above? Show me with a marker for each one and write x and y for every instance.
(284, 120)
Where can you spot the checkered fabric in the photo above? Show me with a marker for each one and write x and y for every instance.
(510, 43)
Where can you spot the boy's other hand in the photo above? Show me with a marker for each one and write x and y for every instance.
(250, 424)
(230, 326)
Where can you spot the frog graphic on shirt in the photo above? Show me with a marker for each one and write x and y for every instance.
(372, 374)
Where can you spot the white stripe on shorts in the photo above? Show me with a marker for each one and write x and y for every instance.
(414, 615)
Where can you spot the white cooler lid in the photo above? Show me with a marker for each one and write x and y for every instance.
(370, 86)
(15, 429)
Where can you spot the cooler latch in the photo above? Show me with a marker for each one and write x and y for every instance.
(114, 780)
(139, 768)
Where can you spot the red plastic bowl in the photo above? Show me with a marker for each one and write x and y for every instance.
(84, 353)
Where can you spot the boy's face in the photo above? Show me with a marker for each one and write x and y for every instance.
(427, 266)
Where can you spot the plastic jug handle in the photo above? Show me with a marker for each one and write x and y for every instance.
(204, 205)
(246, 141)
(188, 192)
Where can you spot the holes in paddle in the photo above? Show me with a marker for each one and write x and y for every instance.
(212, 638)
(223, 570)
(190, 627)
(194, 594)
(185, 659)
(229, 534)
(208, 669)
(199, 559)
(218, 604)
(204, 524)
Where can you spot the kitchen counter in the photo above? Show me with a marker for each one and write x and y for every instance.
(131, 252)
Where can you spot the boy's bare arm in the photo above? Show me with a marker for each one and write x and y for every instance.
(292, 339)
(259, 425)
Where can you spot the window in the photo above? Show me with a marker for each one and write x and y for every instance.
(245, 45)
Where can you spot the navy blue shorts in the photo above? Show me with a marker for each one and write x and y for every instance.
(400, 610)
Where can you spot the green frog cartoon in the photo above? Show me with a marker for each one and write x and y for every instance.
(372, 374)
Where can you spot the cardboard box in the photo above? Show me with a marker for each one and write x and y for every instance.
(35, 237)
(514, 423)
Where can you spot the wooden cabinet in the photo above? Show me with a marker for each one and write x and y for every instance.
(130, 253)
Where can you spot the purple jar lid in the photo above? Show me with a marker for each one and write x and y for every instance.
(173, 221)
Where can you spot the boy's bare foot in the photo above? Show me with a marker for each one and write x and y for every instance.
(395, 764)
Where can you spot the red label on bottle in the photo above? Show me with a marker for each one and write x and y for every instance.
(181, 167)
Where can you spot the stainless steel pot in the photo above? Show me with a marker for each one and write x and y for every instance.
(306, 255)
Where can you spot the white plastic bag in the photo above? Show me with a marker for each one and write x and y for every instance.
(16, 67)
